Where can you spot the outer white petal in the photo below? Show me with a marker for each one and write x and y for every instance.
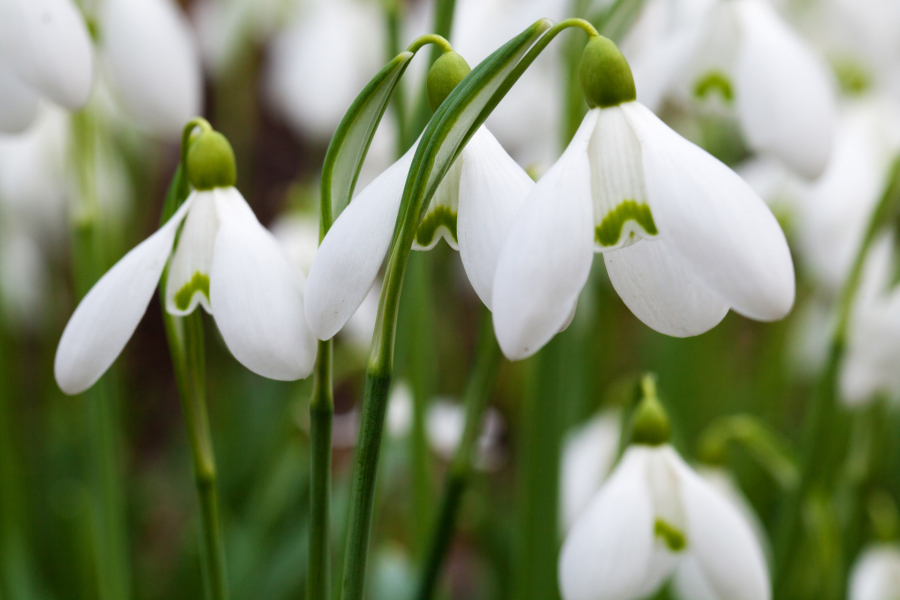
(658, 66)
(19, 102)
(257, 295)
(588, 456)
(690, 584)
(108, 315)
(660, 292)
(715, 222)
(547, 255)
(492, 187)
(194, 255)
(46, 43)
(783, 92)
(876, 574)
(152, 56)
(348, 260)
(722, 542)
(608, 551)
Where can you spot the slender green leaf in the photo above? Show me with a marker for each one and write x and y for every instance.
(351, 141)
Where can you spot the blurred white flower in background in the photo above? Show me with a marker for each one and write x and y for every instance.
(876, 574)
(739, 55)
(445, 423)
(45, 51)
(589, 454)
(151, 56)
(656, 518)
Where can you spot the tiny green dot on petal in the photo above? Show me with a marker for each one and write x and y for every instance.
(198, 283)
(673, 538)
(609, 230)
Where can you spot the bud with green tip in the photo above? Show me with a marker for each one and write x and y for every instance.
(651, 423)
(210, 161)
(443, 77)
(605, 74)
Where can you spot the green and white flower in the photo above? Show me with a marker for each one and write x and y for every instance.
(683, 237)
(225, 261)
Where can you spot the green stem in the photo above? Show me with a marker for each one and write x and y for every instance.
(477, 397)
(188, 357)
(321, 413)
(824, 433)
(101, 401)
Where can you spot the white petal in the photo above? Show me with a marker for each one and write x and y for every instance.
(588, 456)
(876, 574)
(491, 190)
(690, 584)
(715, 222)
(46, 43)
(19, 102)
(721, 540)
(784, 95)
(150, 49)
(187, 283)
(257, 295)
(660, 292)
(660, 64)
(108, 315)
(607, 553)
(547, 255)
(441, 217)
(348, 260)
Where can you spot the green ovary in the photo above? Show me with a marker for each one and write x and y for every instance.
(715, 81)
(609, 230)
(673, 538)
(440, 215)
(198, 283)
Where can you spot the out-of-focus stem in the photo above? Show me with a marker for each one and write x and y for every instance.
(101, 401)
(477, 395)
(321, 413)
(821, 450)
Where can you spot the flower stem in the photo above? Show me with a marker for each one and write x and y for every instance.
(821, 448)
(188, 357)
(477, 395)
(321, 413)
(101, 401)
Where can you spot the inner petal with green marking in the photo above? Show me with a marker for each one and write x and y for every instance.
(439, 221)
(714, 82)
(199, 284)
(625, 224)
(671, 536)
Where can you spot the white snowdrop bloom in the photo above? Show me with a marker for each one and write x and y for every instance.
(45, 51)
(23, 277)
(740, 54)
(653, 518)
(149, 49)
(876, 574)
(471, 209)
(446, 422)
(588, 456)
(400, 410)
(224, 260)
(683, 237)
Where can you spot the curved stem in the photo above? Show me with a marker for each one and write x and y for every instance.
(817, 459)
(440, 42)
(477, 395)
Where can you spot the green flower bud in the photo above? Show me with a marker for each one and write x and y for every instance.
(651, 423)
(210, 162)
(605, 74)
(444, 75)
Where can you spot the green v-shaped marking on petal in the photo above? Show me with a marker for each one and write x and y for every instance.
(198, 283)
(715, 81)
(437, 216)
(609, 230)
(672, 537)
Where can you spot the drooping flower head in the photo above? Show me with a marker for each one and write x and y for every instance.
(224, 260)
(683, 237)
(471, 209)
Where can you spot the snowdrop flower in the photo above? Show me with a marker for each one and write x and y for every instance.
(656, 517)
(471, 210)
(224, 261)
(683, 237)
(45, 51)
(740, 53)
(151, 55)
(446, 422)
(588, 456)
(876, 574)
